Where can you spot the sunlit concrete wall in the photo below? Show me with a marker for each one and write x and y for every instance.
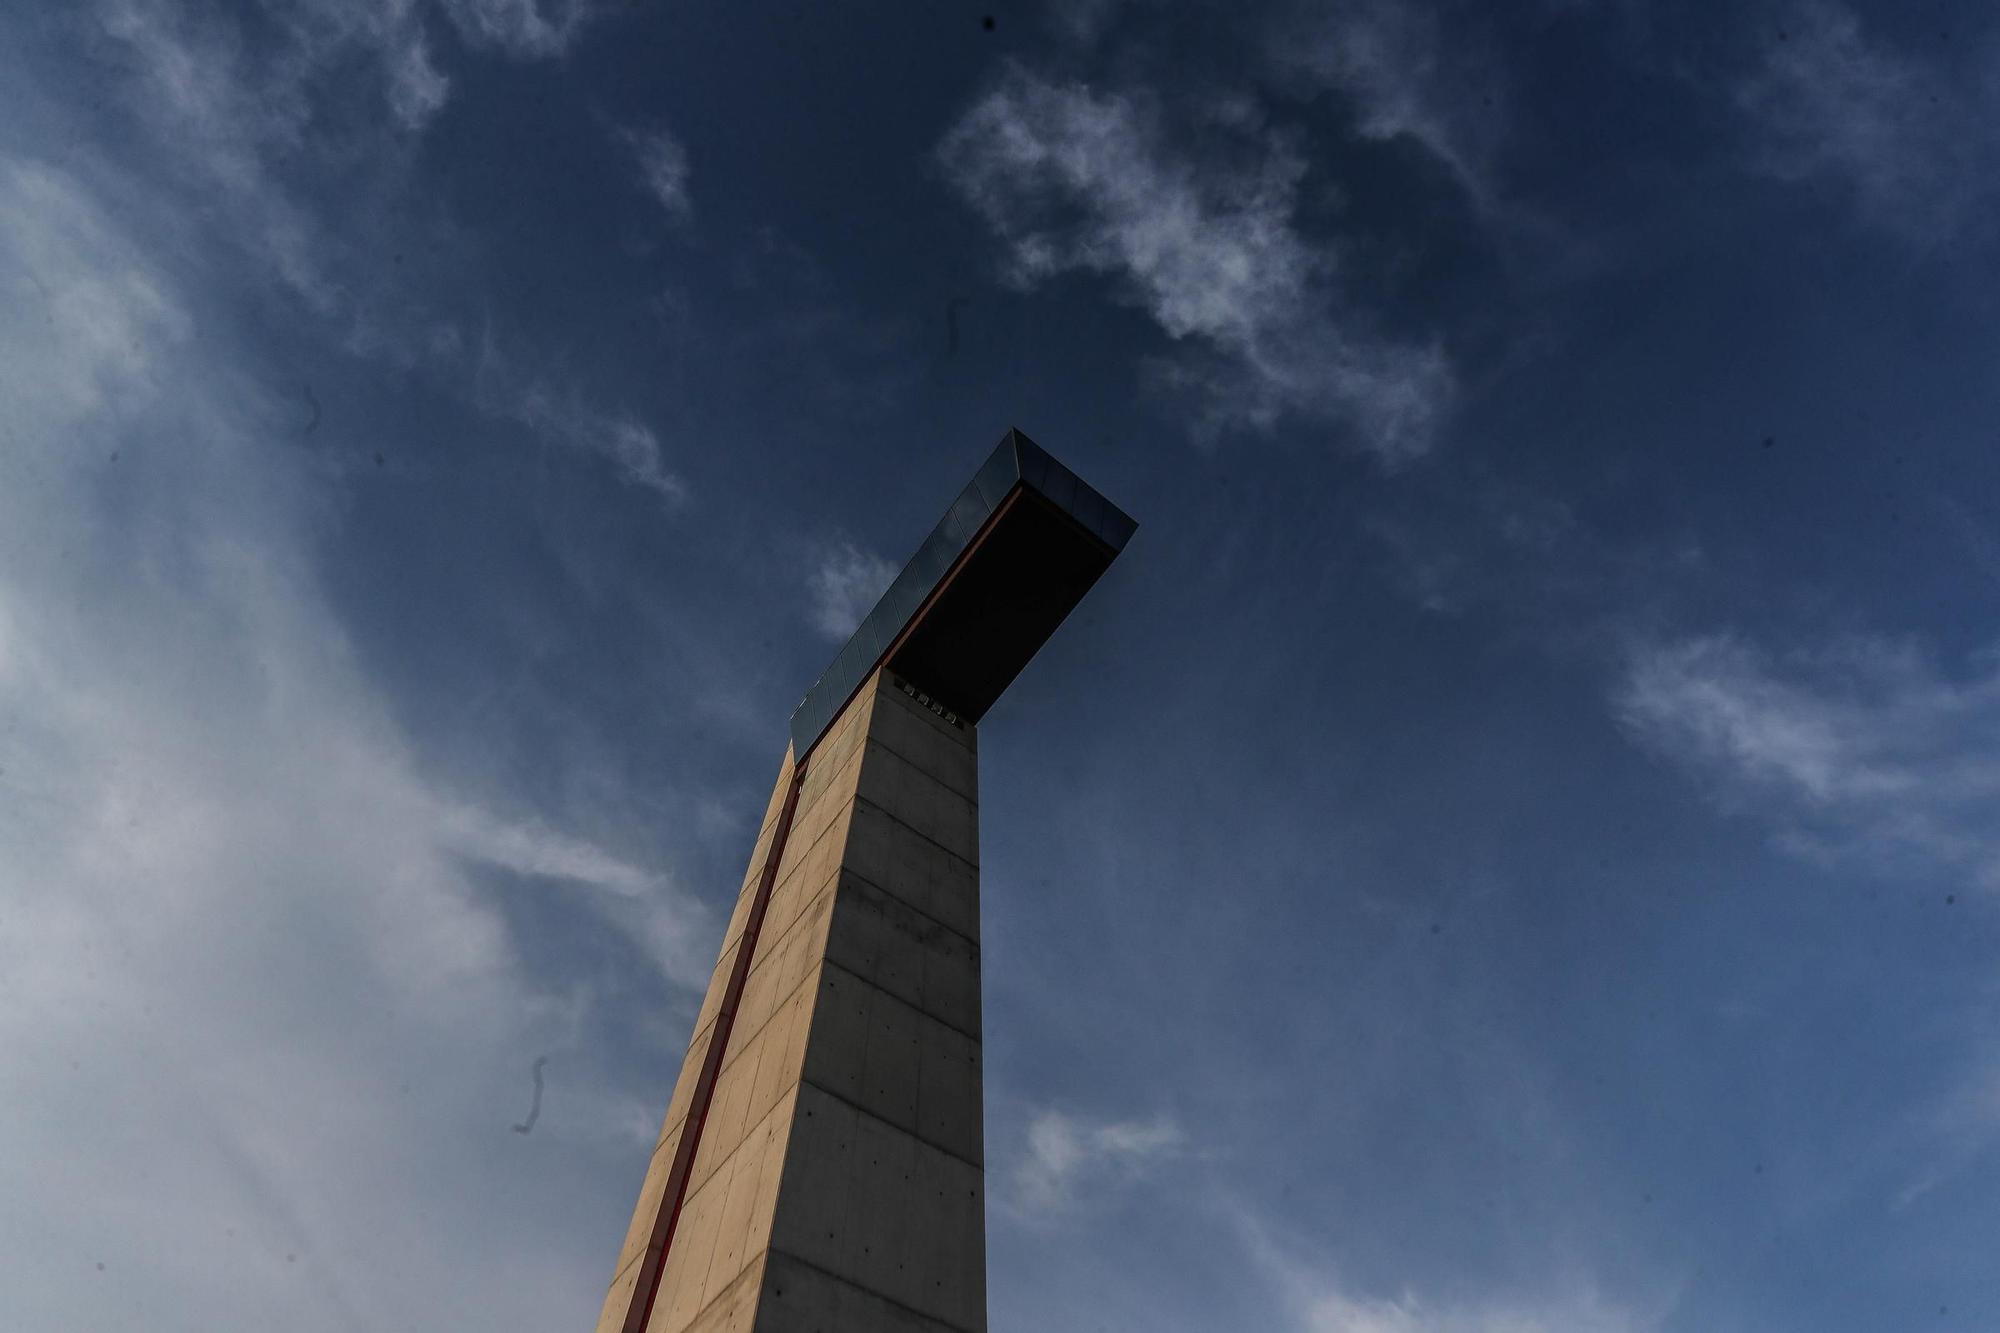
(837, 1182)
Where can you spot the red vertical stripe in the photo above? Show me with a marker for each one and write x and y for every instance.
(654, 1266)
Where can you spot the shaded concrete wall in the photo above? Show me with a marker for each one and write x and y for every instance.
(835, 1182)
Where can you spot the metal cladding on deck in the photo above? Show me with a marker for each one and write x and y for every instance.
(1012, 556)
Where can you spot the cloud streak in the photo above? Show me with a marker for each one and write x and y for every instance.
(1319, 1302)
(844, 584)
(1404, 81)
(1073, 178)
(1904, 138)
(663, 170)
(1066, 1157)
(311, 175)
(524, 29)
(257, 1005)
(1861, 748)
(559, 413)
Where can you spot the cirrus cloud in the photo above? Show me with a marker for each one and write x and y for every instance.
(1860, 747)
(1074, 178)
(264, 1022)
(1066, 1156)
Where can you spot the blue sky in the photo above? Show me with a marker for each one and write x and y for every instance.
(1511, 846)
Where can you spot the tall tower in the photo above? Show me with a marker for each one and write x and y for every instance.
(820, 1169)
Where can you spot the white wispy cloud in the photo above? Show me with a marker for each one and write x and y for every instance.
(1072, 177)
(259, 1013)
(249, 127)
(1324, 1308)
(534, 849)
(562, 416)
(528, 29)
(1860, 747)
(844, 583)
(670, 927)
(1066, 1157)
(1411, 70)
(87, 318)
(1320, 1302)
(1405, 81)
(220, 118)
(1905, 136)
(663, 170)
(387, 33)
(1957, 1131)
(417, 90)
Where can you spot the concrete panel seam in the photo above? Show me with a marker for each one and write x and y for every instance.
(811, 978)
(636, 1260)
(903, 902)
(671, 1126)
(800, 915)
(922, 771)
(889, 1124)
(971, 802)
(917, 832)
(844, 1281)
(750, 1269)
(806, 856)
(948, 1026)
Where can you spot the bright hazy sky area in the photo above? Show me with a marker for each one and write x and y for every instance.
(1513, 845)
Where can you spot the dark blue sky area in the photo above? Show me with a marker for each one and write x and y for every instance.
(1509, 848)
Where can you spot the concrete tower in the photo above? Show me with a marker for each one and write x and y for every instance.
(820, 1167)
